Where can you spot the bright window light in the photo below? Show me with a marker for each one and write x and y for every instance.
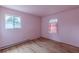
(53, 21)
(53, 25)
(12, 22)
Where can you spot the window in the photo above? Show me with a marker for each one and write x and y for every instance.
(12, 22)
(53, 25)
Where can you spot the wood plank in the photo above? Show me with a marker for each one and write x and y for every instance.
(42, 45)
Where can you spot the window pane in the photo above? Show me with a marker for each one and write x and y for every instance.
(53, 26)
(8, 22)
(17, 22)
(12, 22)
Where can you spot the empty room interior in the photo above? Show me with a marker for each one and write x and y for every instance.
(39, 28)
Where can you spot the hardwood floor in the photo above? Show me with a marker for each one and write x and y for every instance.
(42, 45)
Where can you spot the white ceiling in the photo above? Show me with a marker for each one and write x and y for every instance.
(40, 10)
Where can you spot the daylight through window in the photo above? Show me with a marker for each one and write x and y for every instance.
(12, 22)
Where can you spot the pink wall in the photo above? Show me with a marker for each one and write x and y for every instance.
(0, 29)
(68, 27)
(30, 28)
